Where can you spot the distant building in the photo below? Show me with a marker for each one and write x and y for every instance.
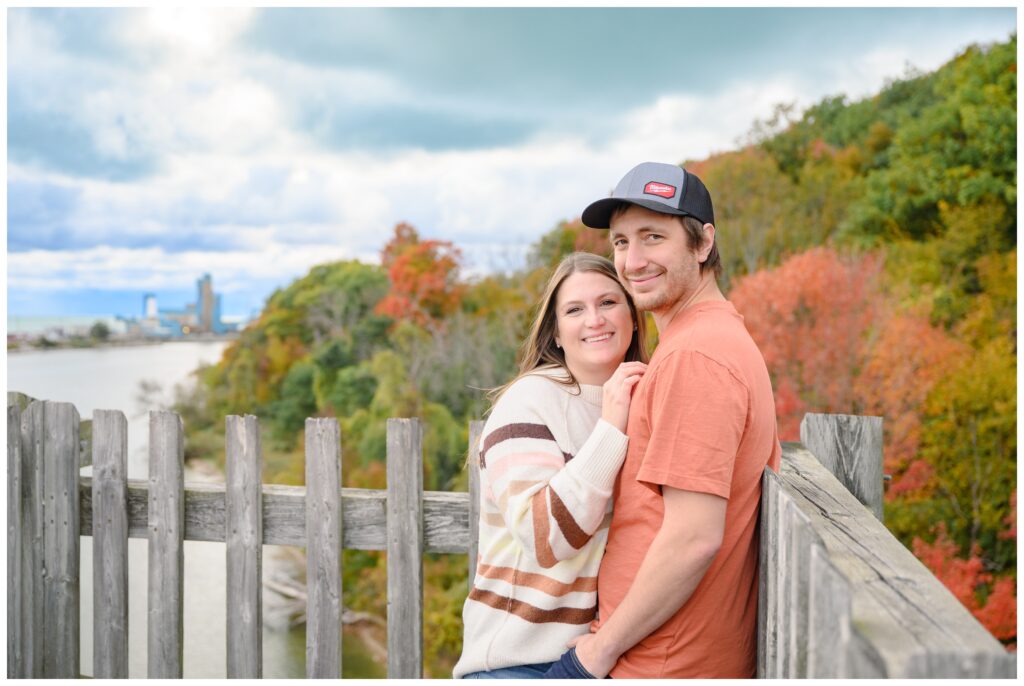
(149, 306)
(202, 316)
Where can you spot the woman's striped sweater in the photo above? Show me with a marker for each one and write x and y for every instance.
(547, 469)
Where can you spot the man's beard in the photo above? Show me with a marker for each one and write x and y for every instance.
(648, 302)
(666, 296)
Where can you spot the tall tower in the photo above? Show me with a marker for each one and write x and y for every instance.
(149, 306)
(205, 303)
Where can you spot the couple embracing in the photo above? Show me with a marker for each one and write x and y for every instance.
(620, 495)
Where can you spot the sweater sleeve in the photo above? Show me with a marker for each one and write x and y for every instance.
(551, 502)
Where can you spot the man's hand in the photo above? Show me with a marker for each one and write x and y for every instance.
(591, 656)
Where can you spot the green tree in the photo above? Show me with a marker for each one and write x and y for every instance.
(99, 331)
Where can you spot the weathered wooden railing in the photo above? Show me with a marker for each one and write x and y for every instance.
(840, 596)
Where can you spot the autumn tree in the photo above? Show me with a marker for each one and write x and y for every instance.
(809, 316)
(752, 200)
(992, 600)
(424, 277)
(565, 238)
(903, 362)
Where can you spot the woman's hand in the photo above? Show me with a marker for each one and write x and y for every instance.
(617, 392)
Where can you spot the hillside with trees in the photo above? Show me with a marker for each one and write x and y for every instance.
(870, 246)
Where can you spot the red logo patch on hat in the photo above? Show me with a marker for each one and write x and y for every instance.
(662, 189)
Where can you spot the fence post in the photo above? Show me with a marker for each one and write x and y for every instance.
(31, 549)
(476, 430)
(110, 544)
(802, 539)
(14, 534)
(849, 446)
(60, 542)
(828, 623)
(405, 548)
(768, 578)
(244, 537)
(165, 630)
(323, 549)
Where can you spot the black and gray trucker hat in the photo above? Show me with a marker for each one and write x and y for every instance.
(659, 187)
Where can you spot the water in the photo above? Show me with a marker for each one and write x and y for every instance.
(108, 379)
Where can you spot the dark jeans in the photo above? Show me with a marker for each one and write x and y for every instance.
(568, 667)
(518, 672)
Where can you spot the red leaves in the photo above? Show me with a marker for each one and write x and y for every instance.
(905, 361)
(809, 316)
(424, 277)
(834, 341)
(966, 577)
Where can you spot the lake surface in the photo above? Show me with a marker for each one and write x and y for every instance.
(108, 379)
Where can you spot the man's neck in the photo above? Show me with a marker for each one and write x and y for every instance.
(707, 291)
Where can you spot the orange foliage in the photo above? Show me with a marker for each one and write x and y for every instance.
(809, 316)
(904, 362)
(424, 277)
(965, 577)
(589, 240)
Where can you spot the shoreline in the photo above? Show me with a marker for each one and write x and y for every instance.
(119, 344)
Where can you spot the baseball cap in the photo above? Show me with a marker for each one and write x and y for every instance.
(664, 188)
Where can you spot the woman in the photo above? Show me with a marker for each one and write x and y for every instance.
(551, 448)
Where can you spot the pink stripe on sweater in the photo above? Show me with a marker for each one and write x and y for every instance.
(496, 470)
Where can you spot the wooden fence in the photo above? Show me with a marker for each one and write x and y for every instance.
(840, 596)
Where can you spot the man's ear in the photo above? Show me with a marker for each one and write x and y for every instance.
(709, 242)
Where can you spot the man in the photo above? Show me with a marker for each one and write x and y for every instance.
(677, 588)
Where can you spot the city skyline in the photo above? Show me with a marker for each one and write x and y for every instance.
(146, 146)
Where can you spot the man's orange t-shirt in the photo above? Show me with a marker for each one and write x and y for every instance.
(702, 419)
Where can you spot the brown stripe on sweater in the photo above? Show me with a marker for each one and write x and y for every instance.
(576, 536)
(510, 431)
(535, 615)
(538, 582)
(539, 505)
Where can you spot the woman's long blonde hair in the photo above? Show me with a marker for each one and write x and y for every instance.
(539, 350)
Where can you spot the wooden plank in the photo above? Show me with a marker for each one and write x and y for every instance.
(898, 607)
(962, 665)
(323, 549)
(828, 621)
(166, 514)
(60, 542)
(32, 435)
(445, 514)
(110, 545)
(768, 577)
(405, 548)
(850, 447)
(476, 430)
(244, 533)
(22, 401)
(14, 541)
(863, 661)
(801, 541)
(783, 626)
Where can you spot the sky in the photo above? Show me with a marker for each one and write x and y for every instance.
(146, 147)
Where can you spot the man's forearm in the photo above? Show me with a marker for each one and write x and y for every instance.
(671, 570)
(691, 532)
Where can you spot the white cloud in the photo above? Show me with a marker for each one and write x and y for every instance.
(154, 269)
(197, 32)
(237, 173)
